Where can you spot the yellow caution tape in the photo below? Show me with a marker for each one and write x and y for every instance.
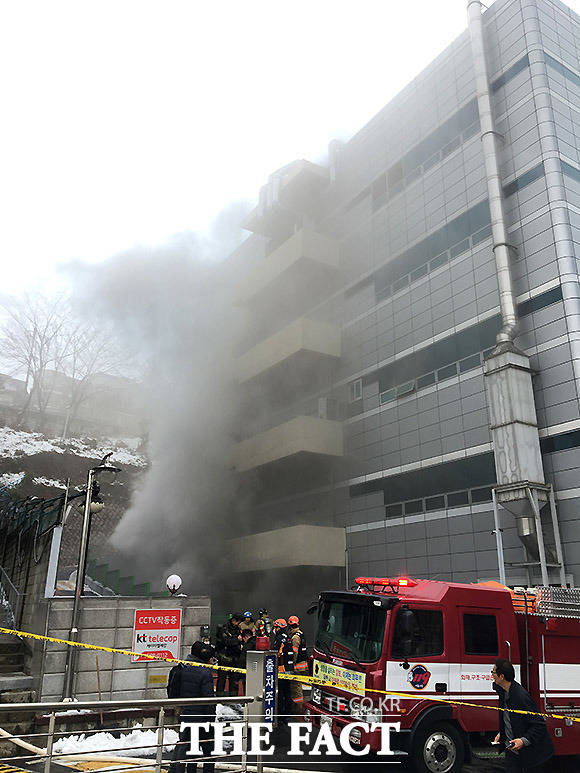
(118, 651)
(293, 677)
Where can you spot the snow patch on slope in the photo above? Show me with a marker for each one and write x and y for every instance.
(11, 479)
(48, 482)
(16, 443)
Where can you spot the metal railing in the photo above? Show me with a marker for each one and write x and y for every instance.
(10, 598)
(43, 747)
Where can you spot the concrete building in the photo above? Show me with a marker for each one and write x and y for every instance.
(372, 290)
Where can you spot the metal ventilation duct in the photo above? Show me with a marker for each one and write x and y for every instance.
(508, 381)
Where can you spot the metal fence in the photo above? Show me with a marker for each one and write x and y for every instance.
(10, 598)
(40, 746)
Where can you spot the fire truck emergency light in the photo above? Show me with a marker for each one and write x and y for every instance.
(400, 582)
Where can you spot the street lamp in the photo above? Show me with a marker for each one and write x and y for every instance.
(93, 505)
(173, 583)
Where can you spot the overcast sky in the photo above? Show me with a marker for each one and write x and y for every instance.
(127, 121)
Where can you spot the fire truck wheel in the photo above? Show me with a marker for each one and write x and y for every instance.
(438, 748)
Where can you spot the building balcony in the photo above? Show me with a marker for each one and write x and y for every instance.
(302, 342)
(292, 190)
(292, 546)
(306, 262)
(303, 435)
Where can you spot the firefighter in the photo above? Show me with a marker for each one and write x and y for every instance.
(296, 661)
(229, 651)
(278, 643)
(248, 624)
(263, 623)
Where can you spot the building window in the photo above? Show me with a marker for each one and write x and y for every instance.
(435, 503)
(393, 511)
(447, 372)
(481, 495)
(419, 272)
(440, 260)
(457, 499)
(469, 363)
(480, 633)
(565, 71)
(400, 284)
(388, 396)
(405, 389)
(355, 390)
(570, 171)
(510, 73)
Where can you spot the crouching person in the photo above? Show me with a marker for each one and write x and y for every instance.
(193, 682)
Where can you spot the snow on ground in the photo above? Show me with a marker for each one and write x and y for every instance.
(10, 479)
(231, 712)
(137, 743)
(16, 443)
(48, 482)
(72, 712)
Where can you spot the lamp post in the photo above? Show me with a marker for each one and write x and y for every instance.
(93, 504)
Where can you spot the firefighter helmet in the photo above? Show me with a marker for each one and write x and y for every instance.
(293, 620)
(280, 623)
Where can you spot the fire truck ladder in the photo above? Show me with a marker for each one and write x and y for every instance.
(539, 533)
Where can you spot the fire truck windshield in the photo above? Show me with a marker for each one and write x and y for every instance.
(351, 629)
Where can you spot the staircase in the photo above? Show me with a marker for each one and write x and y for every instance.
(12, 671)
(15, 686)
(112, 580)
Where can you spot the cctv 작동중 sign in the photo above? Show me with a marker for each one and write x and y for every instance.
(156, 632)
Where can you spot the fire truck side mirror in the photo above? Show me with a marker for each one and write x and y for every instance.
(312, 608)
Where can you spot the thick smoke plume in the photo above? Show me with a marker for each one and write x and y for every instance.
(172, 307)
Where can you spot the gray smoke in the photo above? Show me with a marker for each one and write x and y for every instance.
(172, 307)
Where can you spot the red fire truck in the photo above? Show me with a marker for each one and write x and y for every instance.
(431, 639)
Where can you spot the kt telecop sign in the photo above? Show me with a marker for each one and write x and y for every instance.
(156, 632)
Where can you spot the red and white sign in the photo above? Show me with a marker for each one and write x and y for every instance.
(156, 632)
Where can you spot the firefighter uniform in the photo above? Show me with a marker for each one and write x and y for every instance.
(248, 623)
(264, 624)
(279, 643)
(296, 657)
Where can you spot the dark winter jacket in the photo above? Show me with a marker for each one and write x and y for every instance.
(532, 728)
(228, 645)
(192, 682)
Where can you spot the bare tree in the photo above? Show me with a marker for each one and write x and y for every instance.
(32, 339)
(91, 351)
(59, 354)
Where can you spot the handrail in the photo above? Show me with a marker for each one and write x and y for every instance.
(56, 706)
(50, 711)
(11, 595)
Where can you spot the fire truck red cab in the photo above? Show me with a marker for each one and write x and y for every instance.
(438, 640)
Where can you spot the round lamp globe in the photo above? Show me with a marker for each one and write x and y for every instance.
(173, 583)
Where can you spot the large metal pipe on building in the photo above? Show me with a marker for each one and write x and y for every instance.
(489, 138)
(521, 485)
